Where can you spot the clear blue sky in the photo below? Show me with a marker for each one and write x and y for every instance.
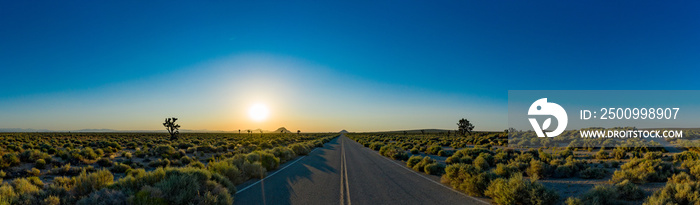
(327, 65)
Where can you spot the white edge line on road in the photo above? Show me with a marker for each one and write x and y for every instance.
(416, 173)
(273, 173)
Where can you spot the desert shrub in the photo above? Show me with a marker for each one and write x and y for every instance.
(186, 160)
(619, 153)
(517, 190)
(32, 155)
(556, 162)
(544, 156)
(686, 156)
(127, 155)
(455, 158)
(505, 171)
(481, 163)
(573, 201)
(269, 161)
(62, 182)
(467, 156)
(602, 195)
(36, 181)
(434, 168)
(51, 200)
(414, 150)
(643, 170)
(593, 173)
(10, 159)
(283, 153)
(227, 170)
(140, 153)
(536, 169)
(564, 153)
(253, 170)
(120, 168)
(488, 157)
(196, 164)
(7, 194)
(653, 155)
(602, 154)
(165, 151)
(175, 186)
(87, 183)
(317, 143)
(24, 186)
(413, 160)
(300, 148)
(104, 162)
(66, 170)
(179, 188)
(205, 149)
(681, 178)
(149, 195)
(676, 192)
(40, 164)
(87, 154)
(420, 166)
(104, 197)
(393, 152)
(185, 145)
(159, 163)
(216, 198)
(501, 157)
(34, 172)
(376, 146)
(2, 174)
(627, 190)
(433, 149)
(467, 178)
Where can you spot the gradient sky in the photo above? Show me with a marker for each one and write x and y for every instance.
(326, 65)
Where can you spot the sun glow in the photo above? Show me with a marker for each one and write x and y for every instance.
(258, 112)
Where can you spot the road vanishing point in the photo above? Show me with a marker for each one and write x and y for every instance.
(344, 172)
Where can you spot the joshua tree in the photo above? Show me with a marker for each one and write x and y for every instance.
(422, 132)
(298, 132)
(404, 132)
(172, 128)
(239, 131)
(465, 126)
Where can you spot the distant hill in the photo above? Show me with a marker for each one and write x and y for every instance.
(282, 130)
(344, 132)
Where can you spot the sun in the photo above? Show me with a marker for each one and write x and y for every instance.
(258, 112)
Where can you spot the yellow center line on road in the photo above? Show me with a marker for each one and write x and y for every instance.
(347, 182)
(342, 191)
(344, 176)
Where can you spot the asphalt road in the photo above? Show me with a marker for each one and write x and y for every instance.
(345, 172)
